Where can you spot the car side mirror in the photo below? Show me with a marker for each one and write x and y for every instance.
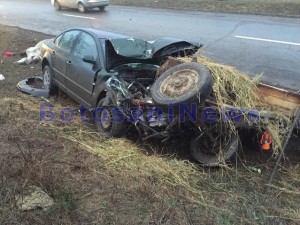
(89, 59)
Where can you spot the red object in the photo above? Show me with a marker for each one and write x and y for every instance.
(266, 141)
(8, 54)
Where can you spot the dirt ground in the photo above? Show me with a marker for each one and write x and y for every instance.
(119, 181)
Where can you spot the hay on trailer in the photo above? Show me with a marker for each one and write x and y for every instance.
(231, 87)
(234, 88)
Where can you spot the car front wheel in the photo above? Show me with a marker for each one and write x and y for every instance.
(48, 80)
(105, 121)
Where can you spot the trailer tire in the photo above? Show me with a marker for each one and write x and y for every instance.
(183, 83)
(207, 158)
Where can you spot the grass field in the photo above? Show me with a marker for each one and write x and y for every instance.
(264, 7)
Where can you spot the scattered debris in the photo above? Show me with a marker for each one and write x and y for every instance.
(6, 54)
(32, 54)
(35, 199)
(33, 86)
(2, 77)
(255, 170)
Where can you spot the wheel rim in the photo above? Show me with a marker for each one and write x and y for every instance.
(106, 119)
(179, 83)
(46, 78)
(81, 8)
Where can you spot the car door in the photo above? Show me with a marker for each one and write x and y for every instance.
(71, 3)
(67, 3)
(60, 55)
(82, 67)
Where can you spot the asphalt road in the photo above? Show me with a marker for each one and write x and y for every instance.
(254, 44)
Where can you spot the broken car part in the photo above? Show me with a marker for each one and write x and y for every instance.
(33, 86)
(6, 54)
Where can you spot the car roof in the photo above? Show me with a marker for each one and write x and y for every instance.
(104, 34)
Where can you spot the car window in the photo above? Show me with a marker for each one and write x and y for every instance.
(86, 46)
(68, 39)
(57, 40)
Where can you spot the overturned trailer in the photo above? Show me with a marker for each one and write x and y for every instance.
(212, 127)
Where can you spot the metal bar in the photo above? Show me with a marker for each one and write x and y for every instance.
(283, 148)
(163, 134)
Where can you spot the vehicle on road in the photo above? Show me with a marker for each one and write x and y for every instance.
(81, 5)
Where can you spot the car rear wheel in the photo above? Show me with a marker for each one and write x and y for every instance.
(102, 8)
(81, 8)
(57, 6)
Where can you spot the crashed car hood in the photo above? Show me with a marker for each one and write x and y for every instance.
(131, 49)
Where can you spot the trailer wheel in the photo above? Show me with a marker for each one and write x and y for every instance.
(212, 148)
(183, 83)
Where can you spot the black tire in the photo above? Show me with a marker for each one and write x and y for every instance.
(81, 8)
(48, 75)
(192, 84)
(101, 8)
(108, 128)
(208, 152)
(57, 6)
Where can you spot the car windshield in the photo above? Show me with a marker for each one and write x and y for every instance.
(133, 48)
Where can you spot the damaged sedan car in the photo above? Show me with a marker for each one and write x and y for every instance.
(108, 71)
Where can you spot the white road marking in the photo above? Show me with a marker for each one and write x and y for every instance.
(83, 17)
(268, 40)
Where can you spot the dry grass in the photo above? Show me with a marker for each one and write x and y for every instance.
(266, 7)
(94, 180)
(122, 183)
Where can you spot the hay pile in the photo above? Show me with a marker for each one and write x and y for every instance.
(231, 87)
(234, 88)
